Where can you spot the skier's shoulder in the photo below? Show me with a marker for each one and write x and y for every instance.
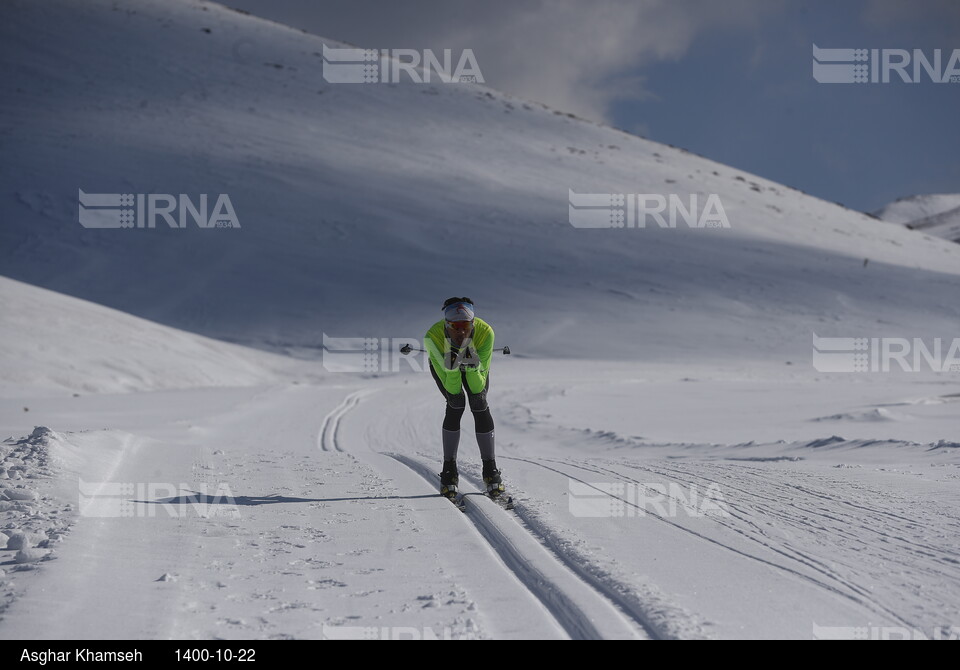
(481, 329)
(436, 332)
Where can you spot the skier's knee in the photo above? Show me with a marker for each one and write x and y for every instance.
(478, 402)
(451, 420)
(457, 401)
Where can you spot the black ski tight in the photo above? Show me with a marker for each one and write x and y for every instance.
(457, 403)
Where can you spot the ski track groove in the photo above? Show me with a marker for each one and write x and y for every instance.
(611, 589)
(835, 516)
(845, 588)
(327, 436)
(877, 532)
(678, 526)
(607, 586)
(787, 552)
(858, 519)
(568, 614)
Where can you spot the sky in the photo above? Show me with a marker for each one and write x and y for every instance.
(730, 80)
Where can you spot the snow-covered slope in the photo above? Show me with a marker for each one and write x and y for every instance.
(363, 206)
(53, 343)
(310, 510)
(937, 215)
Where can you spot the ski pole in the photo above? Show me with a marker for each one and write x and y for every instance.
(406, 349)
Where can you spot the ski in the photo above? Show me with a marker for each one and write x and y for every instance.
(502, 499)
(495, 489)
(458, 501)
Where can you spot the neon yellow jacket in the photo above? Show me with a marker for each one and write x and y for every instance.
(477, 367)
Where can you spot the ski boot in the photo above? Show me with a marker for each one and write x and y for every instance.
(492, 479)
(449, 479)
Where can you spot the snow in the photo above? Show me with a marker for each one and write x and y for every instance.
(680, 470)
(937, 215)
(59, 344)
(352, 195)
(34, 512)
(339, 537)
(914, 208)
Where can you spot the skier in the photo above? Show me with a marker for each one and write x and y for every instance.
(460, 346)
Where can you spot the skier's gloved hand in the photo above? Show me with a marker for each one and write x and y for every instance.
(471, 360)
(450, 360)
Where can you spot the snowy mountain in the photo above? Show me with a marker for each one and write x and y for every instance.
(936, 215)
(681, 468)
(398, 195)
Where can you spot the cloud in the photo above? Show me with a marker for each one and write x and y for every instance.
(570, 54)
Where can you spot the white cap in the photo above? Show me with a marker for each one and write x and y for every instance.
(458, 311)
